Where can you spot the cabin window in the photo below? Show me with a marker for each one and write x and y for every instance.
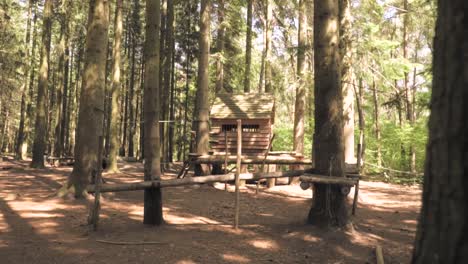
(245, 128)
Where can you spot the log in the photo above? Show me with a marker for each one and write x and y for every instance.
(252, 159)
(314, 178)
(191, 181)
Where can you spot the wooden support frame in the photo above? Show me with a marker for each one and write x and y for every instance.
(122, 187)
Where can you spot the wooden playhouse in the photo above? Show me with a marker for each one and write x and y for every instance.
(257, 113)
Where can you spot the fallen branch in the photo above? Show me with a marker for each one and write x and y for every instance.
(131, 243)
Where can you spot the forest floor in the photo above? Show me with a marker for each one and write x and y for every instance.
(37, 227)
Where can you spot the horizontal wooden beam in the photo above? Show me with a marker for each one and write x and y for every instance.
(314, 178)
(191, 181)
(251, 159)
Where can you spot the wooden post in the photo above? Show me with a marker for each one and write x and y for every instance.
(356, 192)
(379, 255)
(226, 155)
(238, 168)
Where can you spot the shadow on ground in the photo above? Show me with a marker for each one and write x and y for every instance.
(36, 227)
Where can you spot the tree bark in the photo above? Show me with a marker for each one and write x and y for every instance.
(299, 108)
(39, 146)
(219, 85)
(329, 203)
(248, 47)
(170, 75)
(201, 124)
(115, 90)
(347, 79)
(21, 145)
(153, 214)
(377, 123)
(268, 35)
(442, 235)
(91, 110)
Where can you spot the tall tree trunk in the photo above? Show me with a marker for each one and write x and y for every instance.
(359, 103)
(63, 78)
(347, 79)
(131, 105)
(91, 113)
(248, 47)
(188, 62)
(115, 90)
(32, 75)
(299, 108)
(40, 140)
(329, 203)
(170, 76)
(220, 48)
(153, 214)
(268, 42)
(167, 66)
(442, 235)
(201, 124)
(408, 91)
(377, 123)
(21, 146)
(300, 90)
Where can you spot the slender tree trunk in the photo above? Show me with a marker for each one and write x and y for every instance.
(91, 113)
(408, 91)
(201, 124)
(171, 75)
(166, 92)
(299, 109)
(442, 235)
(347, 79)
(268, 35)
(62, 80)
(220, 48)
(20, 146)
(248, 47)
(377, 123)
(329, 203)
(131, 105)
(359, 104)
(115, 90)
(153, 214)
(40, 140)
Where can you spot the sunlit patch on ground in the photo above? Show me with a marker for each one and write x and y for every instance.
(186, 261)
(4, 227)
(235, 258)
(264, 244)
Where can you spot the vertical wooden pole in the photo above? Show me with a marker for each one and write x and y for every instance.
(238, 168)
(226, 154)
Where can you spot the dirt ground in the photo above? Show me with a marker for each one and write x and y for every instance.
(37, 227)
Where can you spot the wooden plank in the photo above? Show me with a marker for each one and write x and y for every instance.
(315, 178)
(252, 159)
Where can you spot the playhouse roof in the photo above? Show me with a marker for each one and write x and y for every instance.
(243, 106)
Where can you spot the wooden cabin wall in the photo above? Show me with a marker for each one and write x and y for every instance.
(252, 142)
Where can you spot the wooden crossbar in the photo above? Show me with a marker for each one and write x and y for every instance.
(191, 181)
(349, 180)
